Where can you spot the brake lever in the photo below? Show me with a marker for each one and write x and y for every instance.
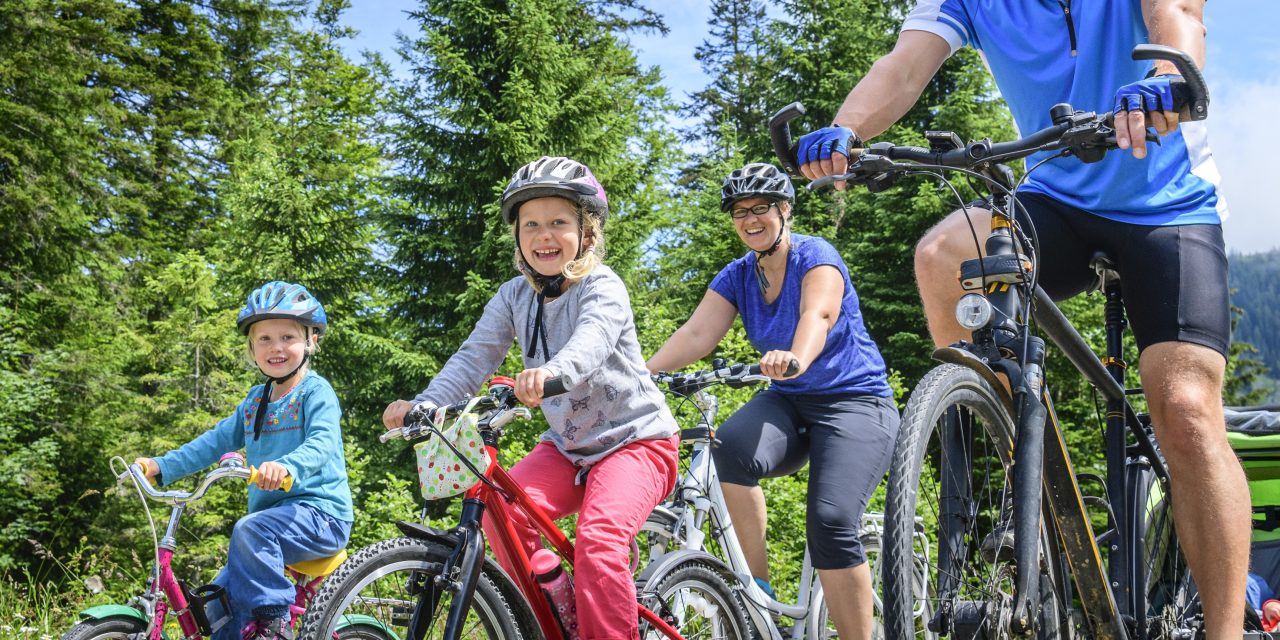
(505, 416)
(868, 169)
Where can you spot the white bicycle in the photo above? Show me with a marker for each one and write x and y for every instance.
(679, 528)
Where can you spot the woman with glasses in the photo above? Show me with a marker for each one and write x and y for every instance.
(830, 404)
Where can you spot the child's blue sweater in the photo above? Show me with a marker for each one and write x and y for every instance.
(300, 432)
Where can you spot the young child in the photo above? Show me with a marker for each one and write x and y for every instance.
(610, 454)
(288, 428)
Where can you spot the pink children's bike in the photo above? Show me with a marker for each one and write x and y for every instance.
(143, 616)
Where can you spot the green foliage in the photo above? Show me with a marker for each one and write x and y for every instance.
(1255, 287)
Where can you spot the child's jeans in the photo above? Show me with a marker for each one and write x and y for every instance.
(262, 544)
(615, 499)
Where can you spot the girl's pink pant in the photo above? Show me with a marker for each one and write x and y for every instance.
(613, 502)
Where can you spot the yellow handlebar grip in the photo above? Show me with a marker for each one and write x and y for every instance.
(146, 471)
(253, 478)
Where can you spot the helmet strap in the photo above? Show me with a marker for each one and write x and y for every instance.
(761, 279)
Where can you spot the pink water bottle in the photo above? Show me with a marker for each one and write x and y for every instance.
(559, 589)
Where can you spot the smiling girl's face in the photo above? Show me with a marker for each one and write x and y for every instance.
(549, 234)
(278, 345)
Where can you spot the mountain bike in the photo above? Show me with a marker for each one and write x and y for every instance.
(975, 460)
(440, 584)
(143, 617)
(695, 523)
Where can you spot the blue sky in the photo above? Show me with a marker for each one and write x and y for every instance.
(1243, 71)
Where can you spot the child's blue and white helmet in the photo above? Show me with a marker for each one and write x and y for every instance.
(283, 300)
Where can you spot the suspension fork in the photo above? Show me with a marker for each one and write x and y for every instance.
(1028, 470)
(1026, 377)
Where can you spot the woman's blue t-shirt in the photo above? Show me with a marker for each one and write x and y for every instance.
(850, 362)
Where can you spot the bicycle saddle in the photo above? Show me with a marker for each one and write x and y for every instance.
(1104, 268)
(320, 566)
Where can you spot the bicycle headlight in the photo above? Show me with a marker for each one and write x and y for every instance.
(973, 312)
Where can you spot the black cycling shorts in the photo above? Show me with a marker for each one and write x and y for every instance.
(848, 442)
(1173, 278)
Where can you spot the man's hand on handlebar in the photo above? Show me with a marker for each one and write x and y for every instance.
(1146, 103)
(826, 152)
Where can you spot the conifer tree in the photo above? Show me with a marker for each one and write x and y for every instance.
(500, 83)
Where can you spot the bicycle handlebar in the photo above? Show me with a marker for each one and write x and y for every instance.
(501, 398)
(225, 469)
(735, 375)
(1084, 132)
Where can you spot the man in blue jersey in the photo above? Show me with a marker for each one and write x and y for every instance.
(1156, 210)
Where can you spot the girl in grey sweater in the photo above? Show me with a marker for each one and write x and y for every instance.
(611, 453)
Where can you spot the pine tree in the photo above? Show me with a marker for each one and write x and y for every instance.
(740, 71)
(502, 83)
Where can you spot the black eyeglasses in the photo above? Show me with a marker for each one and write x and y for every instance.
(760, 209)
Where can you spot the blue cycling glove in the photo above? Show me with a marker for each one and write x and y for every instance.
(820, 144)
(1149, 94)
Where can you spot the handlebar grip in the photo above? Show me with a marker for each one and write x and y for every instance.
(143, 468)
(780, 136)
(253, 478)
(1198, 100)
(792, 368)
(553, 387)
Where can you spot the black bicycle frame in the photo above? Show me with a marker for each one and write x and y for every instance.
(1042, 468)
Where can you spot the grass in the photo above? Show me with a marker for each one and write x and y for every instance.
(32, 610)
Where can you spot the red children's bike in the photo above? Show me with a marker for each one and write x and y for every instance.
(439, 584)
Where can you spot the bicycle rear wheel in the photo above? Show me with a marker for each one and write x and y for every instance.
(1172, 603)
(377, 590)
(952, 468)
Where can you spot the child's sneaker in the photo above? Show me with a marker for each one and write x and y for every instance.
(272, 629)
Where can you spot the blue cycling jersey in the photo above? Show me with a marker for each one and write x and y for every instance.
(1042, 52)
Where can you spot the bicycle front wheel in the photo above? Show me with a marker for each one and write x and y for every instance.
(695, 599)
(952, 469)
(111, 628)
(375, 592)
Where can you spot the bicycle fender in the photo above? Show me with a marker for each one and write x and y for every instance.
(354, 620)
(423, 532)
(112, 610)
(654, 572)
(955, 355)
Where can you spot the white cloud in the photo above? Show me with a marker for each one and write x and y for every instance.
(1245, 144)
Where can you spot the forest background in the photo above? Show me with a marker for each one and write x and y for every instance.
(159, 159)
